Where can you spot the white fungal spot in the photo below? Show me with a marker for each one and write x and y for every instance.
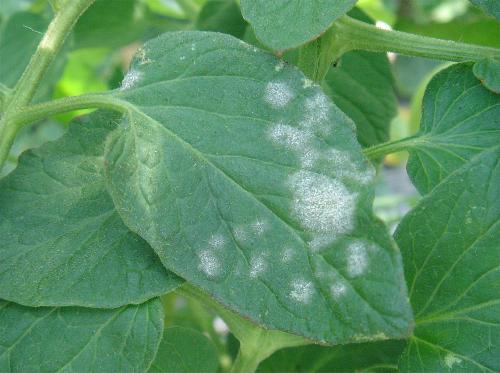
(209, 263)
(345, 167)
(278, 94)
(280, 65)
(131, 79)
(450, 360)
(338, 289)
(317, 114)
(240, 234)
(143, 59)
(193, 47)
(307, 83)
(287, 255)
(257, 266)
(357, 259)
(291, 137)
(217, 241)
(322, 204)
(259, 226)
(302, 290)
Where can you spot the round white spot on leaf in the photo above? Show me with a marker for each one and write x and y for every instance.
(131, 79)
(302, 290)
(338, 289)
(209, 263)
(357, 259)
(450, 360)
(278, 94)
(257, 266)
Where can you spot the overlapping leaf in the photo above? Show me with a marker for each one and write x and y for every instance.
(361, 85)
(303, 20)
(184, 350)
(450, 247)
(222, 16)
(62, 241)
(70, 339)
(460, 119)
(491, 7)
(248, 182)
(488, 72)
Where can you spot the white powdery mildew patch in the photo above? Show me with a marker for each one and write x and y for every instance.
(317, 114)
(287, 255)
(280, 65)
(209, 263)
(217, 241)
(345, 167)
(338, 289)
(257, 266)
(131, 79)
(357, 259)
(450, 360)
(259, 226)
(291, 137)
(321, 242)
(321, 204)
(278, 94)
(302, 290)
(240, 234)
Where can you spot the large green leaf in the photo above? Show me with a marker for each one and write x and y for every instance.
(361, 85)
(248, 182)
(359, 357)
(62, 241)
(491, 7)
(184, 350)
(450, 247)
(70, 339)
(222, 16)
(287, 24)
(460, 119)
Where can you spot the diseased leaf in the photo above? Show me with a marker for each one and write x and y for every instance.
(361, 85)
(460, 119)
(62, 241)
(248, 182)
(359, 357)
(284, 25)
(71, 339)
(222, 16)
(491, 7)
(184, 350)
(488, 72)
(450, 247)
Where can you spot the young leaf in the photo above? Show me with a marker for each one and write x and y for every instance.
(488, 72)
(361, 85)
(71, 339)
(359, 357)
(460, 119)
(302, 20)
(62, 241)
(222, 16)
(491, 7)
(184, 350)
(452, 264)
(248, 182)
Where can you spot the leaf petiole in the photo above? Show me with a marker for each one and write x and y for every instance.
(380, 150)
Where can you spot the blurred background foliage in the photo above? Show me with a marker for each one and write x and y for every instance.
(98, 53)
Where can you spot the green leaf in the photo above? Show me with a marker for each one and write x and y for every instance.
(450, 249)
(184, 350)
(302, 20)
(249, 183)
(359, 357)
(10, 7)
(488, 72)
(71, 339)
(62, 241)
(491, 7)
(460, 119)
(361, 85)
(222, 16)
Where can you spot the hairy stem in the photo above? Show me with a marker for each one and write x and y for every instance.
(26, 87)
(354, 35)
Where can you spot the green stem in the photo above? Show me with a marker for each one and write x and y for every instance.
(380, 150)
(354, 35)
(256, 343)
(34, 113)
(25, 89)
